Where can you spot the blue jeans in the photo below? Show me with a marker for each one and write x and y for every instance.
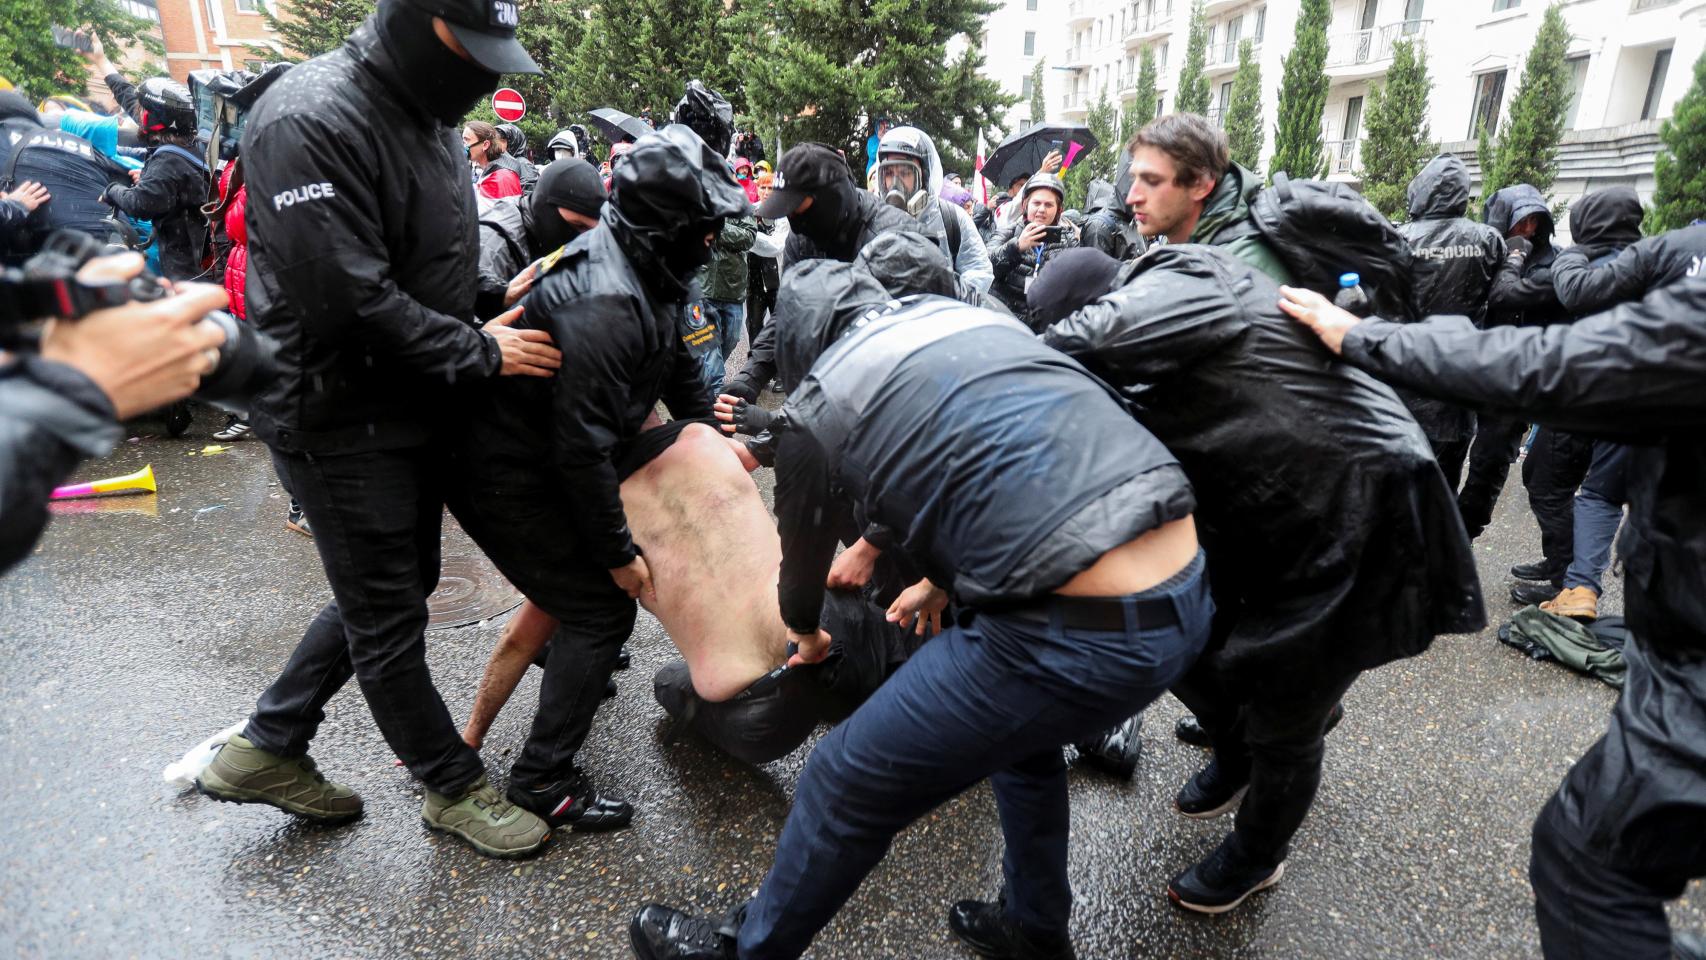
(1599, 511)
(730, 318)
(997, 697)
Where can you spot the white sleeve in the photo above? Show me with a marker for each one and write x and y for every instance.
(973, 264)
(767, 244)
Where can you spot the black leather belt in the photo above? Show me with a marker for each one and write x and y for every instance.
(1096, 613)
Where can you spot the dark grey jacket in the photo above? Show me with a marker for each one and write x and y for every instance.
(1641, 267)
(51, 417)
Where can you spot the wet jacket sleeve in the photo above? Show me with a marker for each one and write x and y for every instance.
(124, 94)
(1149, 331)
(165, 187)
(1514, 293)
(1637, 367)
(684, 393)
(1584, 289)
(592, 388)
(1003, 254)
(315, 205)
(498, 266)
(806, 519)
(972, 264)
(737, 234)
(51, 417)
(760, 367)
(12, 217)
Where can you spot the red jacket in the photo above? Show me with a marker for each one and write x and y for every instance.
(237, 261)
(497, 183)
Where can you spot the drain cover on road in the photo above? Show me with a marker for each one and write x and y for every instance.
(469, 590)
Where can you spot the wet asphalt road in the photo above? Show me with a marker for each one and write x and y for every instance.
(134, 633)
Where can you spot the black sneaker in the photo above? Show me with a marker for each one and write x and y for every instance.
(624, 659)
(609, 689)
(1526, 594)
(1222, 881)
(1534, 571)
(574, 803)
(1116, 750)
(236, 428)
(1212, 792)
(1189, 730)
(665, 933)
(984, 927)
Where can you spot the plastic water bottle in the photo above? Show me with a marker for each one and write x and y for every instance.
(1351, 297)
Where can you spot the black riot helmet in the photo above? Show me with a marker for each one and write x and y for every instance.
(166, 106)
(706, 113)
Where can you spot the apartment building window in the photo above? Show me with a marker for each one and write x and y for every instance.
(1030, 4)
(1160, 105)
(1656, 84)
(1261, 24)
(1220, 107)
(1506, 5)
(1161, 61)
(1578, 67)
(1412, 10)
(1489, 93)
(1025, 86)
(248, 6)
(1213, 29)
(1234, 28)
(1030, 43)
(147, 11)
(1024, 124)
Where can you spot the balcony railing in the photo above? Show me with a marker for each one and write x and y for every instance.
(1226, 54)
(1075, 101)
(1075, 58)
(1217, 116)
(1144, 26)
(1343, 156)
(1359, 47)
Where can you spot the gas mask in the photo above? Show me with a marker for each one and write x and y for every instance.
(901, 183)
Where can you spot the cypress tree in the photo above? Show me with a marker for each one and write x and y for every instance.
(1680, 168)
(1527, 147)
(1303, 95)
(1039, 103)
(1398, 144)
(1244, 113)
(1193, 86)
(1143, 103)
(1097, 163)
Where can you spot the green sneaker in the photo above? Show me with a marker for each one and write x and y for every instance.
(487, 820)
(244, 773)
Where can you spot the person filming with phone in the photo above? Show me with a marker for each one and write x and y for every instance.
(1020, 253)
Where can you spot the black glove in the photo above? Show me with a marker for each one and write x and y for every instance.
(1521, 245)
(742, 387)
(750, 418)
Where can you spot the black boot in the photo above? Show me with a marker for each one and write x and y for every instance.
(664, 933)
(1533, 594)
(984, 927)
(1538, 570)
(624, 659)
(1188, 729)
(574, 803)
(1116, 750)
(1223, 880)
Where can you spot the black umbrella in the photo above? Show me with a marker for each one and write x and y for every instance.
(618, 126)
(1022, 154)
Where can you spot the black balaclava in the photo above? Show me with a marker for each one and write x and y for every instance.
(572, 184)
(444, 84)
(823, 221)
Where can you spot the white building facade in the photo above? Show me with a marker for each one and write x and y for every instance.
(1630, 61)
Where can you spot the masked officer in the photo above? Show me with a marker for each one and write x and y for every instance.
(368, 281)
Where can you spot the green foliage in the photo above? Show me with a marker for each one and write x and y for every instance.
(551, 31)
(1243, 120)
(1680, 169)
(1039, 102)
(313, 27)
(1193, 85)
(35, 64)
(1143, 101)
(1097, 163)
(1398, 143)
(1303, 96)
(1527, 147)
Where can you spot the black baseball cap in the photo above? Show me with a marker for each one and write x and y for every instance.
(486, 29)
(804, 170)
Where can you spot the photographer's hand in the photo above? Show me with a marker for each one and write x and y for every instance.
(143, 354)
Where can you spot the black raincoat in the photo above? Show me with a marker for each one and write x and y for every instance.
(1108, 224)
(1334, 544)
(170, 192)
(374, 324)
(1003, 467)
(613, 302)
(1522, 293)
(1643, 266)
(1455, 262)
(51, 416)
(865, 219)
(911, 263)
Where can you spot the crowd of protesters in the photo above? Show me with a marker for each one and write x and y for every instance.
(1033, 467)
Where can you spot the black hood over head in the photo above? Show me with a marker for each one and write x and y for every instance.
(13, 106)
(1607, 220)
(1512, 204)
(668, 192)
(706, 113)
(1074, 278)
(908, 263)
(1440, 191)
(1122, 186)
(820, 300)
(421, 67)
(571, 184)
(1100, 196)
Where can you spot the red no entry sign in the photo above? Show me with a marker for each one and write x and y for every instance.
(506, 103)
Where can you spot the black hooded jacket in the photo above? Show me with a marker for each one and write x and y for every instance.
(173, 186)
(1334, 544)
(366, 277)
(1631, 374)
(1643, 266)
(516, 231)
(614, 301)
(1003, 467)
(1522, 293)
(865, 218)
(1108, 225)
(1456, 258)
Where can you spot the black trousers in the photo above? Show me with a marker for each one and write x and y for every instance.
(521, 520)
(376, 519)
(1626, 830)
(1557, 463)
(1275, 735)
(1497, 440)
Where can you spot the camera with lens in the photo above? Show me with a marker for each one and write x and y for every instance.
(46, 287)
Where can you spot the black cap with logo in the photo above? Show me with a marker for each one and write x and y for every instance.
(803, 170)
(486, 29)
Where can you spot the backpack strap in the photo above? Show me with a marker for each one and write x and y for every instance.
(180, 151)
(951, 226)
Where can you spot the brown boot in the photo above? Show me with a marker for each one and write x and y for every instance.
(1577, 603)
